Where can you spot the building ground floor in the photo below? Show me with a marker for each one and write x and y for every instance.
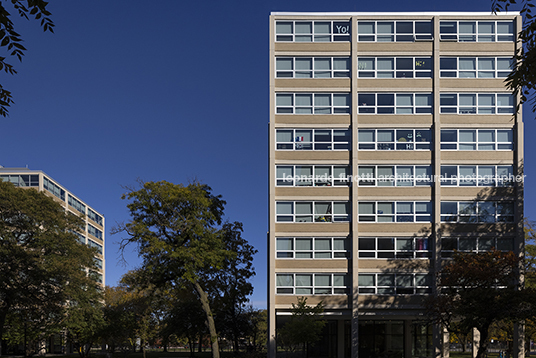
(378, 336)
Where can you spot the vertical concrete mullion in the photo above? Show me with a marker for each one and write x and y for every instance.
(354, 196)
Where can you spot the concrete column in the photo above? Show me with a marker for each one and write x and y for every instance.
(340, 338)
(519, 341)
(475, 342)
(437, 333)
(446, 343)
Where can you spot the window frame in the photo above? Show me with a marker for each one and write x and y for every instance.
(333, 73)
(343, 27)
(311, 108)
(497, 73)
(394, 108)
(301, 144)
(295, 217)
(395, 288)
(477, 143)
(375, 72)
(313, 252)
(458, 179)
(397, 214)
(395, 179)
(476, 108)
(395, 35)
(395, 253)
(314, 288)
(314, 180)
(448, 253)
(396, 144)
(473, 212)
(455, 36)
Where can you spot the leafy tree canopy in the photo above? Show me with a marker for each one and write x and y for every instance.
(10, 39)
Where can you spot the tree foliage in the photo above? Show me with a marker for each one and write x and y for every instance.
(304, 326)
(522, 79)
(43, 265)
(178, 232)
(10, 39)
(478, 290)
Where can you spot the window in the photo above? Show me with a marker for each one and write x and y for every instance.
(394, 283)
(476, 103)
(77, 204)
(477, 139)
(476, 31)
(92, 243)
(313, 139)
(477, 211)
(312, 31)
(394, 67)
(312, 103)
(81, 238)
(394, 211)
(394, 31)
(394, 175)
(475, 67)
(312, 211)
(53, 188)
(21, 180)
(394, 247)
(94, 231)
(313, 175)
(394, 103)
(96, 276)
(474, 244)
(312, 67)
(98, 262)
(394, 139)
(94, 216)
(477, 175)
(313, 248)
(312, 283)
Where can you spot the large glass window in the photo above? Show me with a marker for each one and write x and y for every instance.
(312, 211)
(313, 247)
(475, 67)
(395, 175)
(394, 31)
(312, 103)
(476, 103)
(476, 31)
(394, 139)
(394, 283)
(312, 31)
(94, 231)
(312, 283)
(477, 211)
(94, 216)
(477, 175)
(313, 139)
(77, 204)
(477, 139)
(21, 180)
(312, 67)
(449, 245)
(92, 243)
(394, 211)
(313, 175)
(394, 103)
(394, 247)
(394, 67)
(53, 188)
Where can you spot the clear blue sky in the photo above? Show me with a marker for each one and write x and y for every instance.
(163, 90)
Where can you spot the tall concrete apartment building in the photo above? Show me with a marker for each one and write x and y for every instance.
(94, 231)
(393, 143)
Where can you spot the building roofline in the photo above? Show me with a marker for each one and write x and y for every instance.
(420, 13)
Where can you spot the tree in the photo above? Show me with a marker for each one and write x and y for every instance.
(177, 231)
(522, 79)
(43, 264)
(12, 40)
(478, 290)
(304, 327)
(230, 286)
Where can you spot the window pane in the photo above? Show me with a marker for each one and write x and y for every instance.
(365, 27)
(284, 280)
(284, 208)
(322, 244)
(304, 244)
(322, 280)
(284, 244)
(283, 27)
(366, 280)
(467, 64)
(386, 63)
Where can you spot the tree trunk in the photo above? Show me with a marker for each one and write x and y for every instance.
(3, 315)
(210, 320)
(483, 344)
